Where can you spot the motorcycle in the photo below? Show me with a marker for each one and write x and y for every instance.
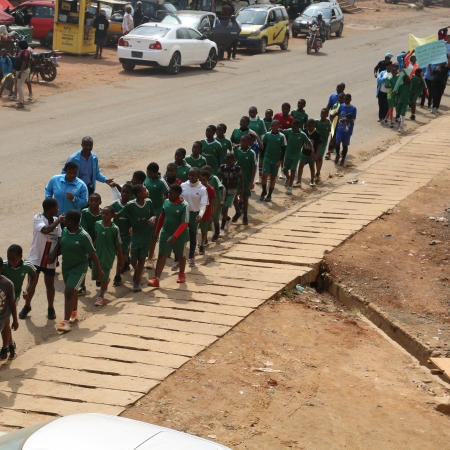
(44, 66)
(313, 40)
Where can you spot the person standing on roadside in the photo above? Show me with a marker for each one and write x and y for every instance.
(67, 189)
(88, 167)
(138, 17)
(127, 23)
(101, 25)
(23, 61)
(381, 66)
(382, 92)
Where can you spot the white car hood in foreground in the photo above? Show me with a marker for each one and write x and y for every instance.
(103, 432)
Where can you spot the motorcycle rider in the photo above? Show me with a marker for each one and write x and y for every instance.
(321, 25)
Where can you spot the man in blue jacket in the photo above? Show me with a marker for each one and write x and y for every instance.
(69, 191)
(88, 167)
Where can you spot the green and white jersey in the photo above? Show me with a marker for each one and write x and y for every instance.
(75, 248)
(324, 130)
(157, 189)
(267, 125)
(273, 144)
(237, 134)
(122, 222)
(257, 125)
(183, 171)
(246, 160)
(199, 163)
(17, 274)
(88, 221)
(217, 185)
(226, 146)
(174, 215)
(212, 151)
(106, 241)
(295, 142)
(301, 116)
(139, 215)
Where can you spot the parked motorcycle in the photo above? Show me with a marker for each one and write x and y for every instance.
(44, 66)
(313, 40)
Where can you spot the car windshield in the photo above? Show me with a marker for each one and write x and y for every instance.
(188, 20)
(252, 17)
(150, 31)
(314, 10)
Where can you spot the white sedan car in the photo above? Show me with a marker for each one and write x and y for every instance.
(102, 432)
(166, 45)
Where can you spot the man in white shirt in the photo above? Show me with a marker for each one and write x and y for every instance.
(43, 252)
(197, 197)
(128, 23)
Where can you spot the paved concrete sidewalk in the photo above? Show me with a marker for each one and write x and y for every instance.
(112, 359)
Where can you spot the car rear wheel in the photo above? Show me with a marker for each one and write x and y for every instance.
(285, 44)
(341, 29)
(175, 64)
(328, 34)
(263, 46)
(128, 66)
(49, 39)
(211, 61)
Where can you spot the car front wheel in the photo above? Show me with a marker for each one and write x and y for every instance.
(128, 66)
(175, 64)
(263, 46)
(285, 44)
(211, 61)
(341, 29)
(328, 34)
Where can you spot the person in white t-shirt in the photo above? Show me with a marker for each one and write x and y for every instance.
(197, 197)
(128, 23)
(43, 252)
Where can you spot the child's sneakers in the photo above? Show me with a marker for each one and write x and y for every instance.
(51, 314)
(245, 220)
(201, 250)
(154, 282)
(392, 124)
(400, 130)
(413, 117)
(149, 263)
(11, 96)
(215, 237)
(12, 350)
(64, 326)
(24, 313)
(175, 267)
(286, 183)
(4, 353)
(191, 262)
(98, 283)
(137, 288)
(268, 198)
(117, 280)
(236, 216)
(312, 183)
(100, 301)
(73, 317)
(82, 291)
(289, 191)
(181, 277)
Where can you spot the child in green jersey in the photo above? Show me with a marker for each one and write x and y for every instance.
(182, 166)
(323, 126)
(211, 148)
(141, 214)
(15, 269)
(7, 308)
(300, 114)
(417, 86)
(239, 132)
(196, 159)
(256, 124)
(389, 85)
(124, 227)
(89, 216)
(226, 144)
(219, 189)
(246, 160)
(296, 139)
(76, 247)
(107, 246)
(403, 99)
(268, 117)
(173, 224)
(274, 149)
(157, 190)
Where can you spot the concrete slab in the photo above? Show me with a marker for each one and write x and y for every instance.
(294, 260)
(285, 245)
(227, 279)
(98, 365)
(119, 354)
(19, 419)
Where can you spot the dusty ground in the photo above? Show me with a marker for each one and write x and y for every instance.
(336, 384)
(401, 263)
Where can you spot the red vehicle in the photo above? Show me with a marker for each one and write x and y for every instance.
(37, 14)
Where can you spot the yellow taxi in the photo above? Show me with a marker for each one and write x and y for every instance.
(262, 26)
